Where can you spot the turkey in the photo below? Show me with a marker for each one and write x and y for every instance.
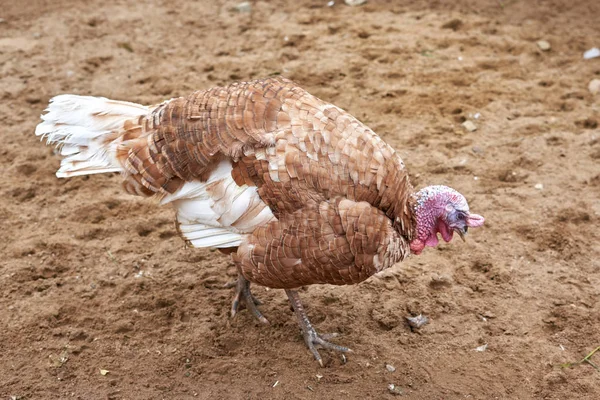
(295, 190)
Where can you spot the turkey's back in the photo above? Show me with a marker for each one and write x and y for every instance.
(295, 148)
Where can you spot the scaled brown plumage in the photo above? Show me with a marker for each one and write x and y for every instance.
(307, 158)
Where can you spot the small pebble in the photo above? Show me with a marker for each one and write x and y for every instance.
(418, 321)
(244, 7)
(591, 53)
(468, 125)
(330, 3)
(543, 45)
(539, 186)
(395, 390)
(355, 2)
(2, 20)
(594, 86)
(454, 24)
(481, 348)
(390, 367)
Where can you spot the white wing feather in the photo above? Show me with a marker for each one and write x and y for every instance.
(213, 213)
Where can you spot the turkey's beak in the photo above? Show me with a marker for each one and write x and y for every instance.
(462, 232)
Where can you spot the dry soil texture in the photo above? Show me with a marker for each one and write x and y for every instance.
(91, 279)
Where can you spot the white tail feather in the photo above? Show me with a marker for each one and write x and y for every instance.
(78, 126)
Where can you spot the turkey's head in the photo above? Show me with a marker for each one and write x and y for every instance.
(440, 209)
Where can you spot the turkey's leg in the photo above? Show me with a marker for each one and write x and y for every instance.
(311, 337)
(244, 295)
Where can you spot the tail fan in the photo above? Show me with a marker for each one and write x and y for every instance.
(87, 131)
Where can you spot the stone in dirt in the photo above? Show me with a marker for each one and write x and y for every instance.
(543, 45)
(594, 86)
(470, 126)
(355, 2)
(244, 7)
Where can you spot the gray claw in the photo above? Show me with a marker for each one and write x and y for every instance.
(311, 337)
(244, 295)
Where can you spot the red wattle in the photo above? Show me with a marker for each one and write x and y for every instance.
(432, 240)
(446, 232)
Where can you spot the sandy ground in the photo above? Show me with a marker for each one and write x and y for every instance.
(92, 279)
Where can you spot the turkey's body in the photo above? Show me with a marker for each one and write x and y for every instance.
(305, 192)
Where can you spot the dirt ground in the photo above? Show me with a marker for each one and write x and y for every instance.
(92, 279)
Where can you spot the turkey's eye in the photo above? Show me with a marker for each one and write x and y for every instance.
(461, 216)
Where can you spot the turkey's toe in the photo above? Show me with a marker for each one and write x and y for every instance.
(243, 297)
(313, 339)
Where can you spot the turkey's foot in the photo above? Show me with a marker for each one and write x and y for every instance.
(243, 296)
(311, 337)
